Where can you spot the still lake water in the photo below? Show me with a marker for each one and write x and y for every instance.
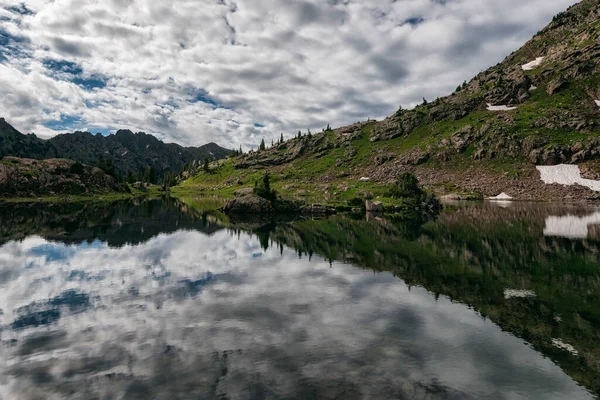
(170, 300)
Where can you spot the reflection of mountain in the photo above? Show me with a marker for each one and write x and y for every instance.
(473, 255)
(570, 226)
(116, 223)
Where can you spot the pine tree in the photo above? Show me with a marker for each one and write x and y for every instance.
(206, 166)
(464, 85)
(425, 101)
(299, 134)
(272, 143)
(281, 139)
(328, 128)
(262, 145)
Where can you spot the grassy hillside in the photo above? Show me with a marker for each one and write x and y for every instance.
(455, 144)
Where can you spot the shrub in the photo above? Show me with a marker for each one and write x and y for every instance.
(77, 168)
(407, 186)
(262, 188)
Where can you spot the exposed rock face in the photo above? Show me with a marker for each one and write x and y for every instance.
(248, 204)
(31, 178)
(374, 206)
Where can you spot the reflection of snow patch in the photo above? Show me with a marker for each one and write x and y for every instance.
(365, 179)
(501, 196)
(571, 226)
(564, 346)
(566, 174)
(532, 65)
(499, 108)
(518, 293)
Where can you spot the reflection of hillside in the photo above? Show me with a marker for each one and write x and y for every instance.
(117, 223)
(473, 255)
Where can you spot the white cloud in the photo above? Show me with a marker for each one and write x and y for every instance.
(286, 65)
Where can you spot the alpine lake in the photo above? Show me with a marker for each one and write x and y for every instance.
(170, 299)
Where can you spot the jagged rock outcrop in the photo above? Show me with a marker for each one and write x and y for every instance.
(32, 178)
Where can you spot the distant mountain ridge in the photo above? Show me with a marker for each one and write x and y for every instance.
(128, 151)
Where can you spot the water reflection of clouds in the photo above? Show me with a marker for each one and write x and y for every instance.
(221, 321)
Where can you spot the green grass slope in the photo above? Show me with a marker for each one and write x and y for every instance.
(455, 144)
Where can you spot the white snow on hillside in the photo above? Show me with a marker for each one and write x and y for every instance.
(532, 88)
(597, 102)
(564, 346)
(126, 151)
(518, 293)
(566, 174)
(532, 65)
(570, 226)
(499, 108)
(501, 196)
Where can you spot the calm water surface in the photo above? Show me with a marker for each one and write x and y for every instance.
(169, 300)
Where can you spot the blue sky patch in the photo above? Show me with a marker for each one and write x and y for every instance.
(73, 72)
(257, 125)
(20, 9)
(202, 96)
(66, 122)
(10, 46)
(414, 21)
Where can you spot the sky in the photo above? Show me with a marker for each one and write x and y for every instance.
(235, 72)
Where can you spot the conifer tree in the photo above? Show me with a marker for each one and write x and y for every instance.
(262, 145)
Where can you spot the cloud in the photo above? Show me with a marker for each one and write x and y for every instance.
(234, 72)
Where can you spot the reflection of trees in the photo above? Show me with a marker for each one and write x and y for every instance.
(117, 223)
(472, 256)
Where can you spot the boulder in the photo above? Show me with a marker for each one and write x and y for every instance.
(248, 204)
(374, 206)
(555, 86)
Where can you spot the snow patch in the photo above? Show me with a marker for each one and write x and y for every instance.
(501, 196)
(532, 88)
(518, 293)
(364, 179)
(126, 151)
(566, 174)
(532, 65)
(564, 346)
(570, 226)
(147, 145)
(597, 102)
(499, 108)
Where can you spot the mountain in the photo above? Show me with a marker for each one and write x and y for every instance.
(540, 106)
(127, 151)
